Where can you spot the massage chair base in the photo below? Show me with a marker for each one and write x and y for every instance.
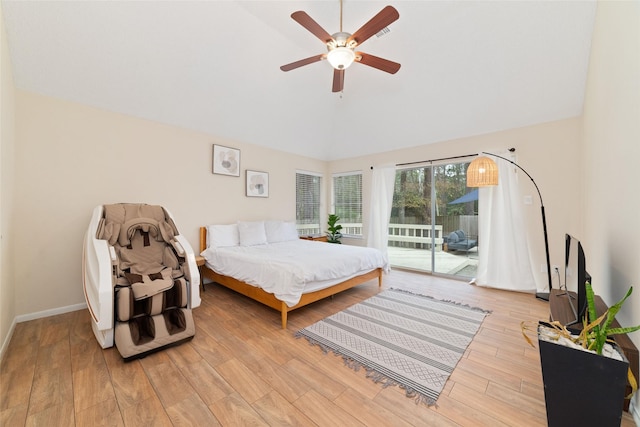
(155, 350)
(133, 344)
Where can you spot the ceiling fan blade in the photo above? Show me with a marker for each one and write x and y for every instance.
(338, 80)
(379, 63)
(385, 17)
(300, 63)
(306, 21)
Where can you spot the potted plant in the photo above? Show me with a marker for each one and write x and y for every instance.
(584, 375)
(333, 229)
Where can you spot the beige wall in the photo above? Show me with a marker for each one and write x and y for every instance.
(7, 147)
(72, 158)
(611, 204)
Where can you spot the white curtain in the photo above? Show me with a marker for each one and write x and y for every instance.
(503, 253)
(382, 183)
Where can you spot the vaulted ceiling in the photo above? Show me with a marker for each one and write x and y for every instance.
(468, 67)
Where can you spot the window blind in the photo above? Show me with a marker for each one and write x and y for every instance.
(347, 201)
(308, 192)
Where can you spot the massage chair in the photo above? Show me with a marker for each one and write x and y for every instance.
(140, 279)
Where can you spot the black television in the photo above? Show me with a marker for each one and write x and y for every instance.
(575, 276)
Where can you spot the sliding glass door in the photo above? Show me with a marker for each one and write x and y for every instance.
(434, 221)
(457, 207)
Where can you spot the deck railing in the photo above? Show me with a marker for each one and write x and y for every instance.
(350, 229)
(416, 236)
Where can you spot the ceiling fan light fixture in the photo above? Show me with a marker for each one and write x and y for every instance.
(341, 46)
(341, 57)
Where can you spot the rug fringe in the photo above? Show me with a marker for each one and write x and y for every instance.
(482, 310)
(372, 374)
(380, 378)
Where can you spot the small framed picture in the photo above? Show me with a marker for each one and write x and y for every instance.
(226, 160)
(257, 184)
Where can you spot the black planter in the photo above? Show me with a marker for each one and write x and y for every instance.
(582, 388)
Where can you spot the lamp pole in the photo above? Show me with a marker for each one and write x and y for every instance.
(540, 295)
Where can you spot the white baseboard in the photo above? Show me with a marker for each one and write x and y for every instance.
(33, 316)
(7, 339)
(52, 312)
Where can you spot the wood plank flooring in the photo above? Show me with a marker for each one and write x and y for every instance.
(243, 369)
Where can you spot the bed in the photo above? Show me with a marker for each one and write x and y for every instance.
(267, 262)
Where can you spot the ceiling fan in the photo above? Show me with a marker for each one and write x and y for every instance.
(341, 45)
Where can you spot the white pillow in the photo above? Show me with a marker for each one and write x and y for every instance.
(291, 231)
(252, 233)
(280, 231)
(220, 236)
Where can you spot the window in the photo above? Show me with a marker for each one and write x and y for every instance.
(434, 220)
(308, 203)
(347, 202)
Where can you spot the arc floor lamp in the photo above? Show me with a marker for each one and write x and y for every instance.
(483, 172)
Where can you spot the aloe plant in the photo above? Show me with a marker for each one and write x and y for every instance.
(594, 334)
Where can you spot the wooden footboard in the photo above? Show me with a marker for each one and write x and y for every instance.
(270, 300)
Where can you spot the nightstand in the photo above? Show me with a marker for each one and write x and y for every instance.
(315, 238)
(200, 263)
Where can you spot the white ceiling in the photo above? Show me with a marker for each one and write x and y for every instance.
(468, 67)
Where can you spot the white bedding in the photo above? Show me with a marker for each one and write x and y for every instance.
(288, 269)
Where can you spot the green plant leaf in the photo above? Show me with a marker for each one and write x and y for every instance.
(590, 301)
(625, 330)
(614, 309)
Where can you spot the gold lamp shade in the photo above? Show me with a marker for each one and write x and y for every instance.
(482, 172)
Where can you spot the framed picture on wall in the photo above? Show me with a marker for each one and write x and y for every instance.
(226, 160)
(257, 184)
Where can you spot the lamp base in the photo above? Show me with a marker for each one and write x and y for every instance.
(543, 296)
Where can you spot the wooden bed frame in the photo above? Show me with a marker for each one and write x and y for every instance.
(270, 300)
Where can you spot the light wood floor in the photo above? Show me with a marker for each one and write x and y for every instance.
(242, 369)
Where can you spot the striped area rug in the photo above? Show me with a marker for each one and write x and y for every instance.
(400, 338)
